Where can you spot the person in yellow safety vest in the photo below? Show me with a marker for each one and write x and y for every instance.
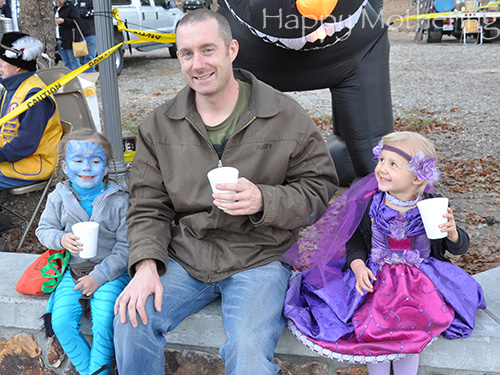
(28, 142)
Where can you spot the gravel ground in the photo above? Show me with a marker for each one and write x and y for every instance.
(449, 88)
(448, 82)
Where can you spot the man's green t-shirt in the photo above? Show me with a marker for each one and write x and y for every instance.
(219, 134)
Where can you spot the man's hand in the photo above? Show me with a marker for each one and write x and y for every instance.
(146, 281)
(87, 285)
(247, 199)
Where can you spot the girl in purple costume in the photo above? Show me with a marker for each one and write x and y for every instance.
(399, 291)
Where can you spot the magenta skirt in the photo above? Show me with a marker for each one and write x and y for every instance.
(402, 316)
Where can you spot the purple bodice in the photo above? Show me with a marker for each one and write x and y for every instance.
(397, 238)
(410, 251)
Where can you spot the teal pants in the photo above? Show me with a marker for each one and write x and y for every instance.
(66, 314)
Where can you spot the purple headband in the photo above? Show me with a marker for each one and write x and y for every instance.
(423, 168)
(397, 151)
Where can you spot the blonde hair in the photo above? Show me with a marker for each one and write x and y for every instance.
(414, 143)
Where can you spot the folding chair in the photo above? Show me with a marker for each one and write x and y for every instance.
(75, 114)
(37, 186)
(474, 27)
(70, 98)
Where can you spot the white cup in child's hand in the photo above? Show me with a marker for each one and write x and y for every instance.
(432, 211)
(223, 175)
(87, 232)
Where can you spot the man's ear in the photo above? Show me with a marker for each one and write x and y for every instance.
(234, 47)
(64, 167)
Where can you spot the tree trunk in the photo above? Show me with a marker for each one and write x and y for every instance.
(36, 17)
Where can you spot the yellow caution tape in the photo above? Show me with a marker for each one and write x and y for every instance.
(429, 16)
(53, 87)
(147, 35)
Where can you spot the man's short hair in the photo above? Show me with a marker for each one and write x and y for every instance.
(200, 15)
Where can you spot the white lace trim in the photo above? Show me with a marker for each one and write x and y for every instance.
(344, 357)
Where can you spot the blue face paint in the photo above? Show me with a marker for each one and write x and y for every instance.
(86, 163)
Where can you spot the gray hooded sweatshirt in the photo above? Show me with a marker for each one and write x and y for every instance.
(109, 210)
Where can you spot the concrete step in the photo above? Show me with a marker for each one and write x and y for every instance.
(477, 354)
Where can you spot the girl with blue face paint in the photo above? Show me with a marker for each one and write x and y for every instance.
(85, 164)
(89, 286)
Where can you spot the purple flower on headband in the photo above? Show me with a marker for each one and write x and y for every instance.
(423, 168)
(377, 150)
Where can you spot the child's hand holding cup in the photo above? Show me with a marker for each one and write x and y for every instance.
(223, 175)
(87, 233)
(432, 211)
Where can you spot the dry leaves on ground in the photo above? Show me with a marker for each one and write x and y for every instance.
(472, 174)
(482, 256)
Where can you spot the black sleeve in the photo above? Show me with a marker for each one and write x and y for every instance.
(461, 246)
(359, 244)
(74, 14)
(439, 247)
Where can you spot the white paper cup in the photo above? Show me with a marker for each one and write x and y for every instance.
(223, 175)
(87, 232)
(432, 211)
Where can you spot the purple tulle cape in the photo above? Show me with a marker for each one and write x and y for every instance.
(322, 247)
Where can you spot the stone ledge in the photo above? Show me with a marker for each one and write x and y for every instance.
(477, 354)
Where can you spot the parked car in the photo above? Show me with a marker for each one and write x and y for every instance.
(480, 24)
(196, 4)
(159, 16)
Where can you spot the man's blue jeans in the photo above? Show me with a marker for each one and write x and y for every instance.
(252, 306)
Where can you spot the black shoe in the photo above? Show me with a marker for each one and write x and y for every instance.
(5, 222)
(4, 246)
